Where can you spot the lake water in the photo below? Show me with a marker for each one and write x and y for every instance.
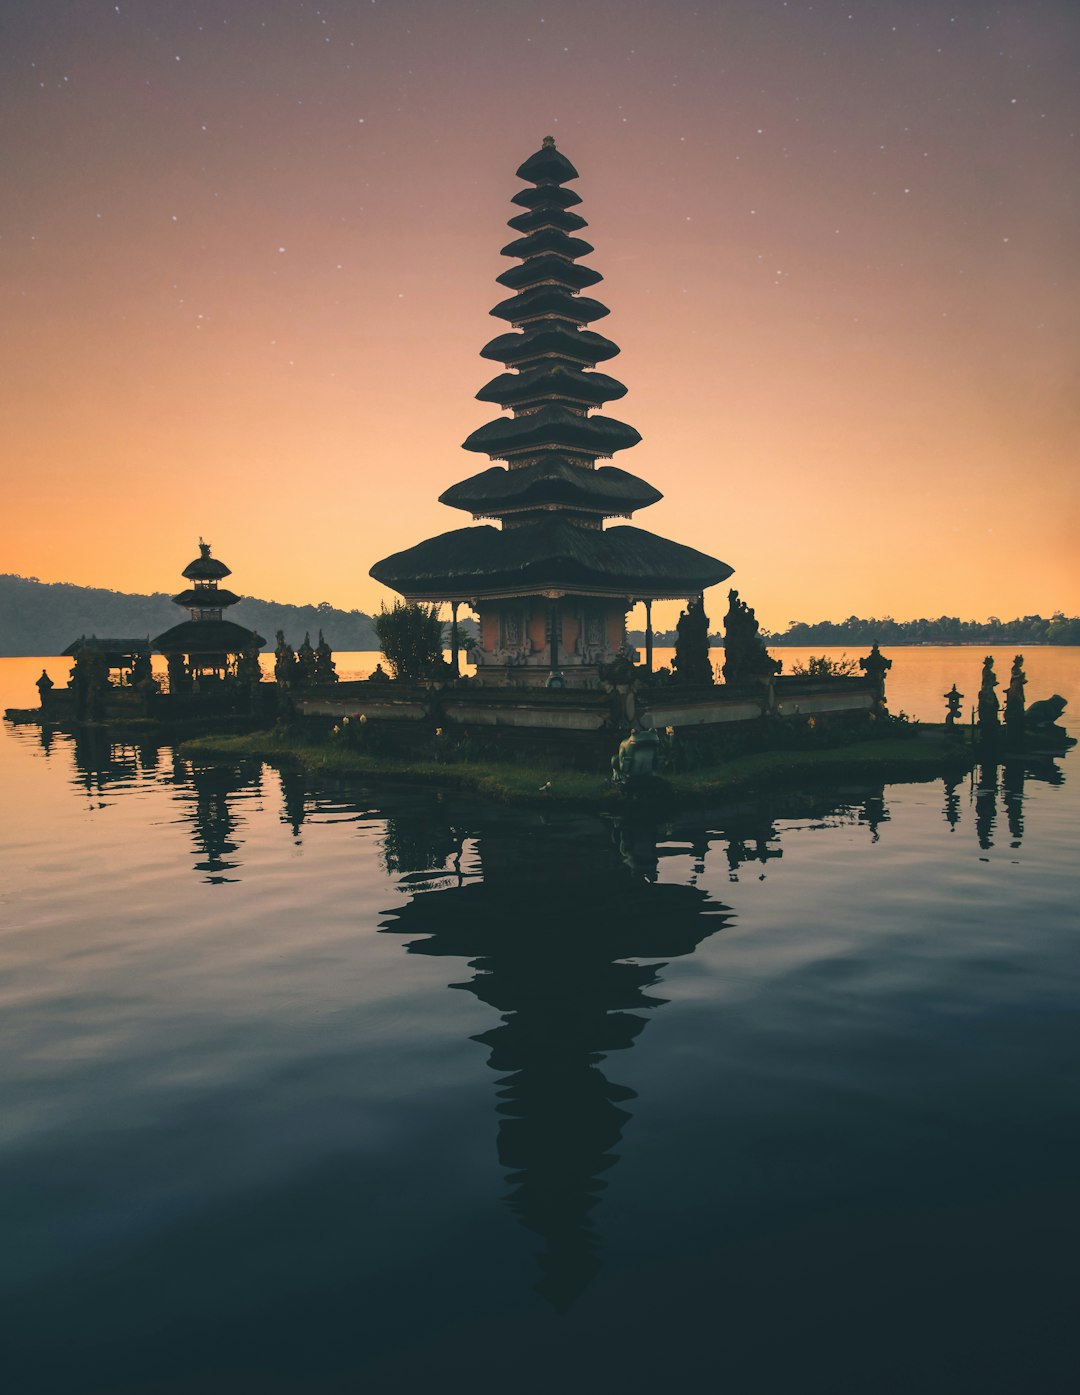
(309, 1087)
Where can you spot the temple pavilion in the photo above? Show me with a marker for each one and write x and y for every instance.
(208, 643)
(551, 585)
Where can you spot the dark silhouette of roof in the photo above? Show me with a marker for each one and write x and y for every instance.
(582, 346)
(110, 647)
(551, 380)
(205, 567)
(554, 554)
(553, 480)
(208, 597)
(206, 637)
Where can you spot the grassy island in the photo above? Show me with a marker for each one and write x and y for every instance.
(924, 754)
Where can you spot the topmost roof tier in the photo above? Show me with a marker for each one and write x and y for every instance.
(547, 166)
(205, 567)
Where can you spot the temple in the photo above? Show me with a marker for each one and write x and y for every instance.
(552, 585)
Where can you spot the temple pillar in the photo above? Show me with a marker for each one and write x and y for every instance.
(454, 639)
(553, 622)
(648, 636)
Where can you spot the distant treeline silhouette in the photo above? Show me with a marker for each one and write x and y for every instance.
(946, 629)
(39, 617)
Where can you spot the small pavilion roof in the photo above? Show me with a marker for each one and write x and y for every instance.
(110, 647)
(553, 480)
(552, 555)
(206, 637)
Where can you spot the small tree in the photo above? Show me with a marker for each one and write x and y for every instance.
(411, 637)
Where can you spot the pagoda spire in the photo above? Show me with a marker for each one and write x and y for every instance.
(549, 386)
(552, 584)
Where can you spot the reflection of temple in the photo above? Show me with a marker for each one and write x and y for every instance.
(553, 944)
(554, 932)
(205, 792)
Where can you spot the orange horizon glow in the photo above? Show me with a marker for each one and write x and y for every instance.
(247, 274)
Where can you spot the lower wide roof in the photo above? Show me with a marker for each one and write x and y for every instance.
(553, 555)
(206, 637)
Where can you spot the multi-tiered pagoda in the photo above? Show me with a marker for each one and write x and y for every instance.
(552, 585)
(207, 640)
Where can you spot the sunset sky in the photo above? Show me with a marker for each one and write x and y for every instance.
(248, 249)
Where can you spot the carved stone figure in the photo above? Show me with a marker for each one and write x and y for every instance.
(325, 668)
(746, 660)
(691, 661)
(305, 661)
(988, 701)
(179, 679)
(140, 669)
(637, 756)
(284, 662)
(248, 669)
(1045, 713)
(1014, 699)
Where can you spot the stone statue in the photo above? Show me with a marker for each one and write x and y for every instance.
(1014, 700)
(141, 669)
(248, 668)
(44, 686)
(284, 662)
(988, 701)
(1045, 713)
(325, 668)
(746, 660)
(876, 666)
(691, 661)
(637, 756)
(305, 661)
(378, 675)
(178, 673)
(953, 698)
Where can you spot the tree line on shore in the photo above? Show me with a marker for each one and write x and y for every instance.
(946, 629)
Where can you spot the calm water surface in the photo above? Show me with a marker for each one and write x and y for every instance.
(310, 1087)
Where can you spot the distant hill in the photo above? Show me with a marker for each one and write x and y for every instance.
(39, 617)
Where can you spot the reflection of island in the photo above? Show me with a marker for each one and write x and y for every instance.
(554, 933)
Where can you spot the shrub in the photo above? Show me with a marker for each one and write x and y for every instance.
(821, 666)
(410, 637)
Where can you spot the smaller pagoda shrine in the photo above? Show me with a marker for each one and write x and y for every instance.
(206, 646)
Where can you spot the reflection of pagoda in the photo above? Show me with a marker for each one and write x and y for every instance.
(206, 639)
(206, 792)
(552, 585)
(569, 993)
